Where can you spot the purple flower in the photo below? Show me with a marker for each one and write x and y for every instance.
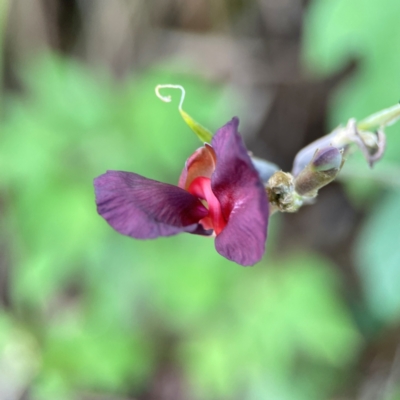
(219, 192)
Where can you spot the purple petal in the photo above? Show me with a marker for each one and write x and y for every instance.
(237, 185)
(145, 209)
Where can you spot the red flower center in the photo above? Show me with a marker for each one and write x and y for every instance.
(201, 187)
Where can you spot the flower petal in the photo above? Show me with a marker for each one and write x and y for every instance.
(237, 186)
(200, 163)
(145, 209)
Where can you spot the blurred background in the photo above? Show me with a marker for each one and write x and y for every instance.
(88, 314)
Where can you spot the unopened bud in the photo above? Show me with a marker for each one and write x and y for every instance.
(305, 155)
(327, 159)
(323, 169)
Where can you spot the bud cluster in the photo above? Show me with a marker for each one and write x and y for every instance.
(288, 193)
(320, 162)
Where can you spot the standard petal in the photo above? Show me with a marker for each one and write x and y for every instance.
(145, 209)
(200, 163)
(237, 186)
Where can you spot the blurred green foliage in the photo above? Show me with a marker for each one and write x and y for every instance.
(97, 311)
(338, 31)
(335, 33)
(379, 259)
(90, 311)
(295, 300)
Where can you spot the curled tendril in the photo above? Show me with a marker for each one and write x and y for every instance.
(202, 133)
(372, 155)
(167, 99)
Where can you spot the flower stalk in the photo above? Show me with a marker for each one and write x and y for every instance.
(381, 119)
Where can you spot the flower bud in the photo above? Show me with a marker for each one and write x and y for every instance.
(327, 159)
(323, 169)
(305, 155)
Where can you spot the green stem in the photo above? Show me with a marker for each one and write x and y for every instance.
(383, 118)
